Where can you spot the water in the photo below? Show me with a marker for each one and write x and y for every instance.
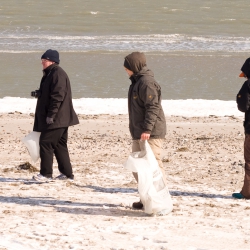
(195, 48)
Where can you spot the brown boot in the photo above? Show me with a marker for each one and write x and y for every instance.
(245, 192)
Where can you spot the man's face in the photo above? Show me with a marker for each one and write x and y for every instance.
(46, 63)
(129, 72)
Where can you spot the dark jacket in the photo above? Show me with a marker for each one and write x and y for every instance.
(244, 94)
(144, 105)
(55, 101)
(247, 122)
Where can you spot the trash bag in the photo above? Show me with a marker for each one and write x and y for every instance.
(154, 193)
(31, 141)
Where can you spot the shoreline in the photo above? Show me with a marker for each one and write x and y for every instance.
(118, 106)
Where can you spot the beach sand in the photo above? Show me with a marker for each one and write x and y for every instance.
(203, 160)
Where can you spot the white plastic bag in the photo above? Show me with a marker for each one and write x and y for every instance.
(154, 193)
(31, 141)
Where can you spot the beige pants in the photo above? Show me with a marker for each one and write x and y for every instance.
(156, 146)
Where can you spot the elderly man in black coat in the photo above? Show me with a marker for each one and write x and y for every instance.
(54, 114)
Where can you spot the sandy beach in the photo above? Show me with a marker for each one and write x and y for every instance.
(203, 160)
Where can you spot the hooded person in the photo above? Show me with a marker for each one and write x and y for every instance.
(54, 114)
(146, 116)
(243, 102)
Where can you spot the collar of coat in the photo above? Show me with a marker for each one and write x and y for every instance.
(48, 69)
(144, 71)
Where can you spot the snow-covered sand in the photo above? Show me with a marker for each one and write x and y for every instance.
(115, 106)
(203, 159)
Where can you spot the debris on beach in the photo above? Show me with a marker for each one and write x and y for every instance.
(183, 149)
(28, 166)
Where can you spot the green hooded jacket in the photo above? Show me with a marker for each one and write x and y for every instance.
(144, 100)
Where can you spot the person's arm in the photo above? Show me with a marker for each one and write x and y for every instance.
(149, 93)
(57, 93)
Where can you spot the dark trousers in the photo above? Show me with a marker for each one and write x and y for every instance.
(51, 142)
(246, 186)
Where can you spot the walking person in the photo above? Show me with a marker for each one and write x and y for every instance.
(243, 102)
(54, 114)
(146, 116)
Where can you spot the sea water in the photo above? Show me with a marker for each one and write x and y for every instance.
(195, 48)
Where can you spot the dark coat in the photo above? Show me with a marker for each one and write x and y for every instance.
(244, 94)
(55, 101)
(247, 122)
(144, 104)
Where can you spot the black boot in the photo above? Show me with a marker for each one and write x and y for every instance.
(137, 205)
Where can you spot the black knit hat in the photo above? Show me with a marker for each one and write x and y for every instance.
(51, 55)
(246, 68)
(127, 65)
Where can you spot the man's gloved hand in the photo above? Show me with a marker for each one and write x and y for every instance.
(49, 120)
